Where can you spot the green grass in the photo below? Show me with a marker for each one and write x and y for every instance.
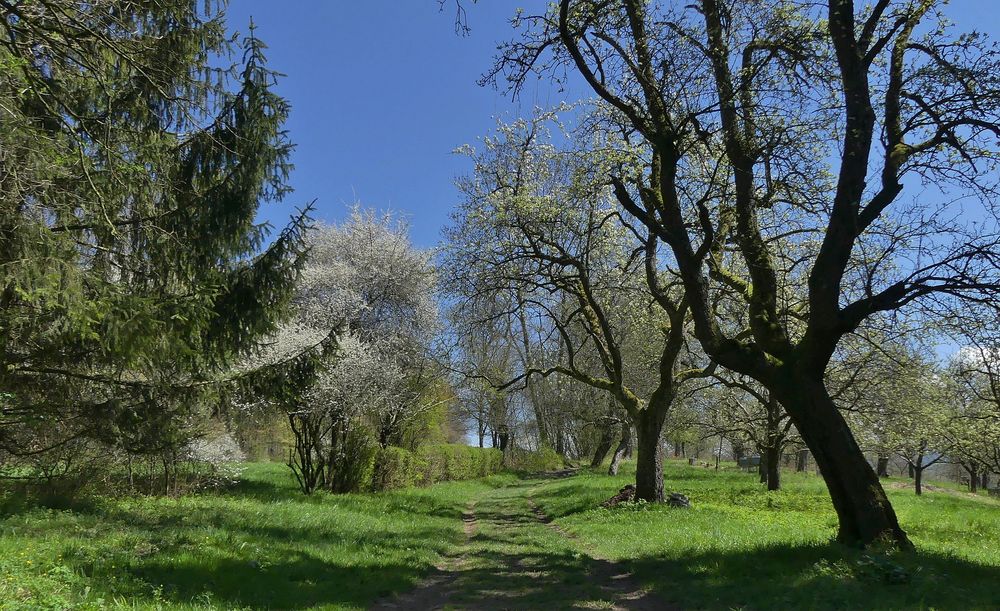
(260, 545)
(264, 545)
(743, 547)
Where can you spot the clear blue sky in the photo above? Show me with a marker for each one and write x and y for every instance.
(383, 90)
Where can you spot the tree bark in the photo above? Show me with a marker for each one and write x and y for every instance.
(773, 455)
(973, 469)
(863, 509)
(918, 476)
(882, 468)
(603, 447)
(622, 449)
(801, 460)
(910, 472)
(649, 460)
(986, 480)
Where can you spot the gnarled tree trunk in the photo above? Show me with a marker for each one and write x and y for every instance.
(863, 509)
(649, 459)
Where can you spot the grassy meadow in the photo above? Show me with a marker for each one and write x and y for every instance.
(263, 545)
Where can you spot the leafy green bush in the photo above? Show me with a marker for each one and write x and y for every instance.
(536, 461)
(354, 469)
(398, 467)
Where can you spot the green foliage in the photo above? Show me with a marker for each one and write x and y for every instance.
(353, 469)
(134, 269)
(535, 461)
(398, 467)
(445, 462)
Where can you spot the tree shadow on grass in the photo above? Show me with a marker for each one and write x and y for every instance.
(301, 582)
(828, 576)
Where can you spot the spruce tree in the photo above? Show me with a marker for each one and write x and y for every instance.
(133, 271)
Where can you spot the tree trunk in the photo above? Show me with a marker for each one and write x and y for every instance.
(762, 467)
(863, 509)
(603, 447)
(738, 452)
(882, 468)
(773, 455)
(503, 437)
(910, 471)
(918, 476)
(622, 449)
(801, 460)
(986, 480)
(973, 469)
(649, 461)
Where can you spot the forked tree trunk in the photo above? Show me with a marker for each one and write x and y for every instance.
(863, 509)
(649, 459)
(622, 450)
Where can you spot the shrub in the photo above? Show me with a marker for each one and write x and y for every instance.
(535, 461)
(397, 467)
(354, 467)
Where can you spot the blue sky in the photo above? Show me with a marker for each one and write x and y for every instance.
(383, 91)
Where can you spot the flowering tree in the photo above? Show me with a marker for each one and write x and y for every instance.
(370, 290)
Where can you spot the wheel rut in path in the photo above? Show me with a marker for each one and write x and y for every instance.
(515, 557)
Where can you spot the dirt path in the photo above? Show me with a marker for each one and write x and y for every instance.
(514, 557)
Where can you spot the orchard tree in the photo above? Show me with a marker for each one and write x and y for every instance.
(975, 372)
(778, 121)
(540, 232)
(365, 309)
(739, 409)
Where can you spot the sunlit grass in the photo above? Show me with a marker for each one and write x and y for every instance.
(264, 545)
(261, 545)
(740, 546)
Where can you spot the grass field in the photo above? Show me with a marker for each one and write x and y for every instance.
(264, 545)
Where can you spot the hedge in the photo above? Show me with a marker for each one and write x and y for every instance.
(399, 468)
(535, 461)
